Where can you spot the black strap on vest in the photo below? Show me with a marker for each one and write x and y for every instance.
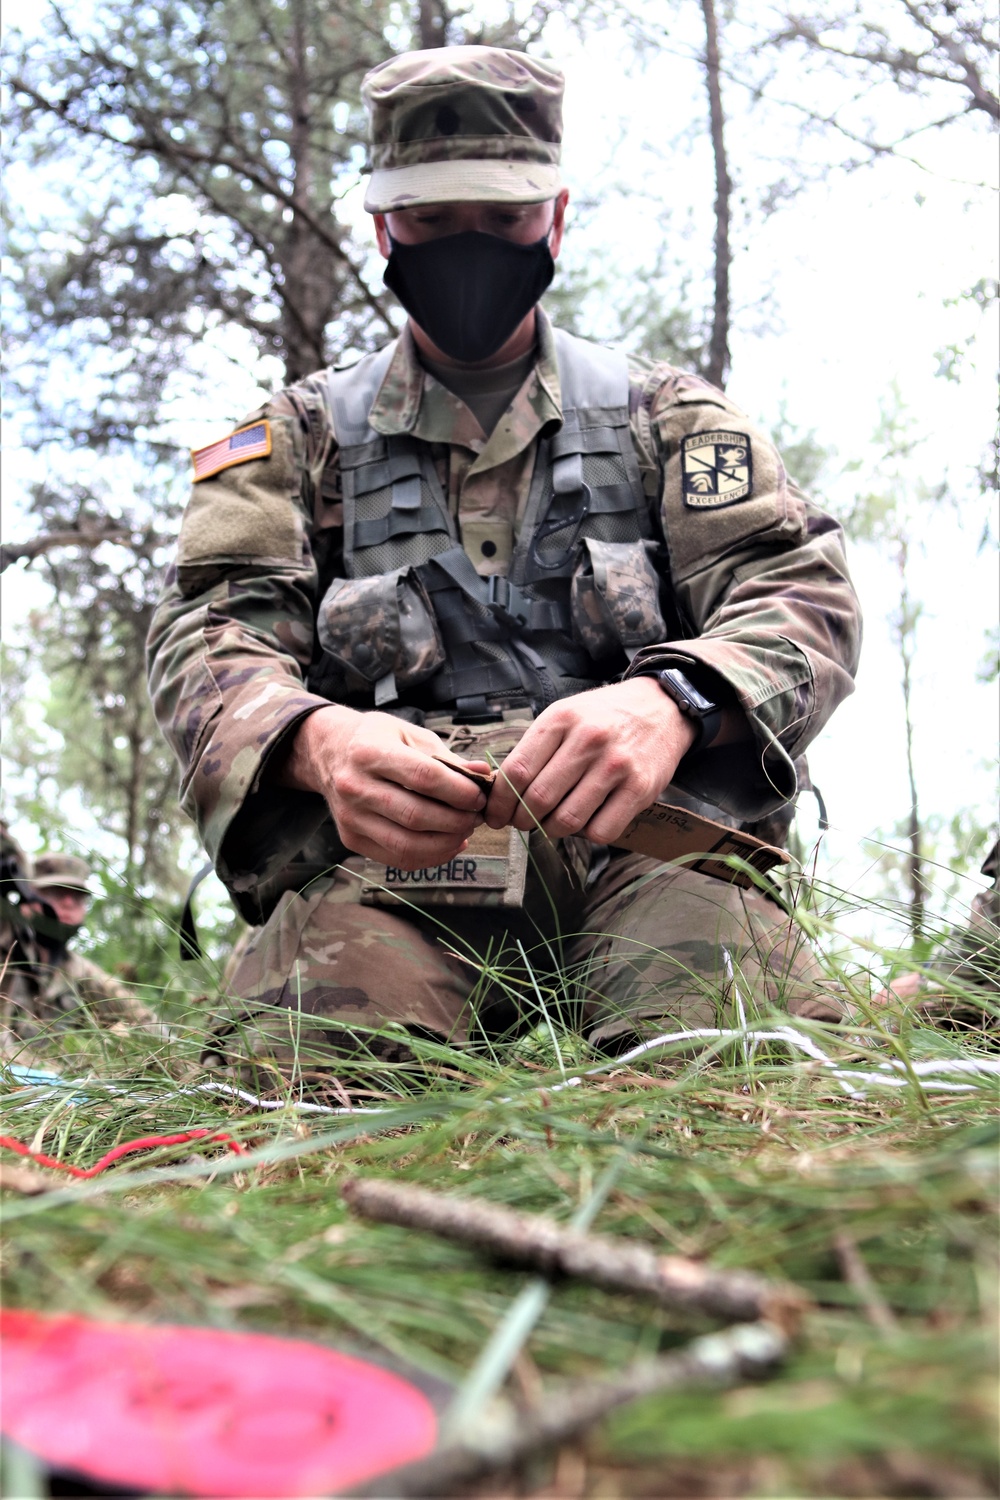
(187, 933)
(483, 622)
(507, 604)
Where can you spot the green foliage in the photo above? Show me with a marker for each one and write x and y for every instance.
(888, 512)
(760, 1162)
(138, 939)
(212, 141)
(953, 850)
(806, 459)
(765, 1169)
(101, 739)
(887, 507)
(989, 668)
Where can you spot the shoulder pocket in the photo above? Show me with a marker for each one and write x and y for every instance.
(248, 512)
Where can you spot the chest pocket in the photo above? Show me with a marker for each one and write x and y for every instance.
(381, 632)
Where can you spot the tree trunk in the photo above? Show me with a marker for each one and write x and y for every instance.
(717, 369)
(915, 858)
(432, 22)
(311, 282)
(134, 788)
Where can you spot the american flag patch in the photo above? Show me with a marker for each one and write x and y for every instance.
(240, 446)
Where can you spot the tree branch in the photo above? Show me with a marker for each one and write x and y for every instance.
(84, 537)
(901, 63)
(152, 143)
(618, 1265)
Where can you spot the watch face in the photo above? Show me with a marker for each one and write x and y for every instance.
(702, 704)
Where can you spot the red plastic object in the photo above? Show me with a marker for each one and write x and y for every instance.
(144, 1143)
(195, 1411)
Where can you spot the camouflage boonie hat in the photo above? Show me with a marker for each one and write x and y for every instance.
(67, 871)
(463, 124)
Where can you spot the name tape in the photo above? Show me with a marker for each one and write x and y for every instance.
(491, 871)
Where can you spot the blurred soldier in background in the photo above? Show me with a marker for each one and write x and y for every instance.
(945, 990)
(45, 985)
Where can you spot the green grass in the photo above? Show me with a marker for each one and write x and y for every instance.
(759, 1164)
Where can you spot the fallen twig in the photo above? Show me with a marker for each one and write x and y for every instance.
(858, 1276)
(615, 1264)
(719, 1359)
(24, 1180)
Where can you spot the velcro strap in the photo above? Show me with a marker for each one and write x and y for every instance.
(396, 522)
(589, 440)
(567, 474)
(406, 493)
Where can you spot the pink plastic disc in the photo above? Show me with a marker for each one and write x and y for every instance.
(194, 1411)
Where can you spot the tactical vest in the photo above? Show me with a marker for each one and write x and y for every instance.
(414, 624)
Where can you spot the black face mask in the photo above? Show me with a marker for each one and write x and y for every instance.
(469, 291)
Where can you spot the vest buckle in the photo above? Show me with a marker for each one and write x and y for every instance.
(506, 602)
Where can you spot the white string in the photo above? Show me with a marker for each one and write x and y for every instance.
(893, 1073)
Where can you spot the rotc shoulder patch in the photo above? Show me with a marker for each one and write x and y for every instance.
(716, 469)
(239, 447)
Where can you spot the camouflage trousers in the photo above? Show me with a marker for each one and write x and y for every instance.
(643, 947)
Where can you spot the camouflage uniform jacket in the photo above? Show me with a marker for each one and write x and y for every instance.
(36, 994)
(758, 589)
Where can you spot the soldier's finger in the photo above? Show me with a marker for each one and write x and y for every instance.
(574, 764)
(614, 816)
(418, 814)
(579, 806)
(426, 776)
(544, 795)
(519, 770)
(379, 839)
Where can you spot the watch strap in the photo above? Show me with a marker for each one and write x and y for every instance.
(693, 704)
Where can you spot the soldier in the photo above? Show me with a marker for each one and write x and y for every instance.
(45, 985)
(491, 539)
(959, 987)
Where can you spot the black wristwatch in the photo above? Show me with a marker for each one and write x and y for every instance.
(706, 715)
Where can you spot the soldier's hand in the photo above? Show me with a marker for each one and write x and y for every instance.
(591, 763)
(391, 799)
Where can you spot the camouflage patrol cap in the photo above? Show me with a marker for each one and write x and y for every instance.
(463, 124)
(67, 871)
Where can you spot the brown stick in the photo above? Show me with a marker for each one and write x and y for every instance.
(26, 1180)
(858, 1276)
(617, 1265)
(717, 1360)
